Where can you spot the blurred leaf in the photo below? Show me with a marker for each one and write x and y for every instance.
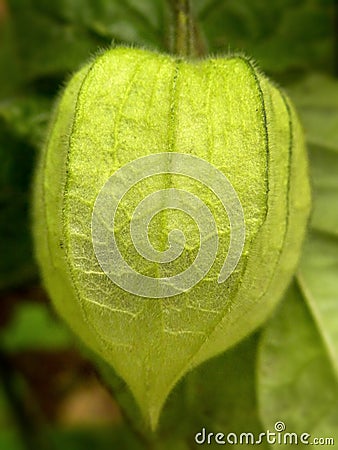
(280, 35)
(48, 44)
(317, 100)
(27, 117)
(9, 440)
(33, 328)
(56, 37)
(319, 283)
(298, 364)
(23, 122)
(98, 438)
(5, 418)
(9, 436)
(324, 168)
(94, 438)
(10, 75)
(16, 156)
(297, 382)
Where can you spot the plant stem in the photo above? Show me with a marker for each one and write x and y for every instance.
(186, 37)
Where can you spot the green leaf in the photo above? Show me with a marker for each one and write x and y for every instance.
(54, 38)
(23, 121)
(10, 75)
(281, 35)
(98, 438)
(298, 364)
(324, 168)
(27, 117)
(10, 440)
(50, 39)
(32, 327)
(16, 156)
(297, 382)
(317, 100)
(47, 44)
(221, 394)
(318, 280)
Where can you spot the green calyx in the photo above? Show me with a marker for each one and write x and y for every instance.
(131, 103)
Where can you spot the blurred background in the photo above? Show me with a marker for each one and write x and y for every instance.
(51, 395)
